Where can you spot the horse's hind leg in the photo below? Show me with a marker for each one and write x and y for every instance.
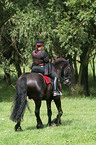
(57, 101)
(49, 112)
(18, 127)
(37, 114)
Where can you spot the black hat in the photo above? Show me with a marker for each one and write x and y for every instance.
(40, 43)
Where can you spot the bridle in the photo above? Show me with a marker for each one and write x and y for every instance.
(66, 71)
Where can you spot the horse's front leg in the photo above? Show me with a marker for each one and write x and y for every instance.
(49, 112)
(37, 114)
(57, 101)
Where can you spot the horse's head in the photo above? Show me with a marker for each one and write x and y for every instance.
(67, 73)
(64, 69)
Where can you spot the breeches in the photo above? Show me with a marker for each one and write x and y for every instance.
(53, 75)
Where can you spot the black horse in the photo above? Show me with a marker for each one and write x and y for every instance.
(34, 86)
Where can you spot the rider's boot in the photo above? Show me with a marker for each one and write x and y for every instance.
(56, 92)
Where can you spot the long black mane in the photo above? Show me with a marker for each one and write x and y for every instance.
(60, 60)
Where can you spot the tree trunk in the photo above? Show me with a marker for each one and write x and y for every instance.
(75, 66)
(7, 77)
(19, 72)
(84, 79)
(17, 65)
(93, 69)
(83, 75)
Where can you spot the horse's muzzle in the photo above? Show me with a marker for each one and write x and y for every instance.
(67, 82)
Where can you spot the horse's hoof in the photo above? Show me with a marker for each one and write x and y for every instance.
(18, 128)
(56, 121)
(49, 124)
(53, 124)
(40, 126)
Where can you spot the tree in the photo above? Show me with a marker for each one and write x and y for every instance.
(77, 35)
(68, 27)
(16, 36)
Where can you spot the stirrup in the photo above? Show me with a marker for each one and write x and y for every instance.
(57, 93)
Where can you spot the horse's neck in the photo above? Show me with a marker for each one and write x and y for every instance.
(58, 68)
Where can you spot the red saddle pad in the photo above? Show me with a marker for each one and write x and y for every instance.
(46, 79)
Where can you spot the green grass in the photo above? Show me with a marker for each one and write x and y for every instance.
(78, 125)
(78, 121)
(7, 93)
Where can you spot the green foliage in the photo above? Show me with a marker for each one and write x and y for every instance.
(77, 28)
(67, 27)
(69, 21)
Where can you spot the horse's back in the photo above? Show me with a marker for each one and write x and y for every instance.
(31, 77)
(35, 80)
(36, 85)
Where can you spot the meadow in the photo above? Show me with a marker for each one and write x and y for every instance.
(78, 125)
(78, 121)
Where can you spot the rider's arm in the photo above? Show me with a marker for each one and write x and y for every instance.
(44, 57)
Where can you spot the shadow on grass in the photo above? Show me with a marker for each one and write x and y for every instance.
(31, 128)
(64, 123)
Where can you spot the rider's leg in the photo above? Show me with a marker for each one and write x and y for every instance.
(55, 90)
(38, 69)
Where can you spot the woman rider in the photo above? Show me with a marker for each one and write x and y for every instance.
(40, 65)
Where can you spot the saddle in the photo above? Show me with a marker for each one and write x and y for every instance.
(47, 79)
(50, 81)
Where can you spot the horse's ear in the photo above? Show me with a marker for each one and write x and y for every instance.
(67, 60)
(70, 59)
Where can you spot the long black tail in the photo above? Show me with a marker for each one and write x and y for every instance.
(20, 100)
